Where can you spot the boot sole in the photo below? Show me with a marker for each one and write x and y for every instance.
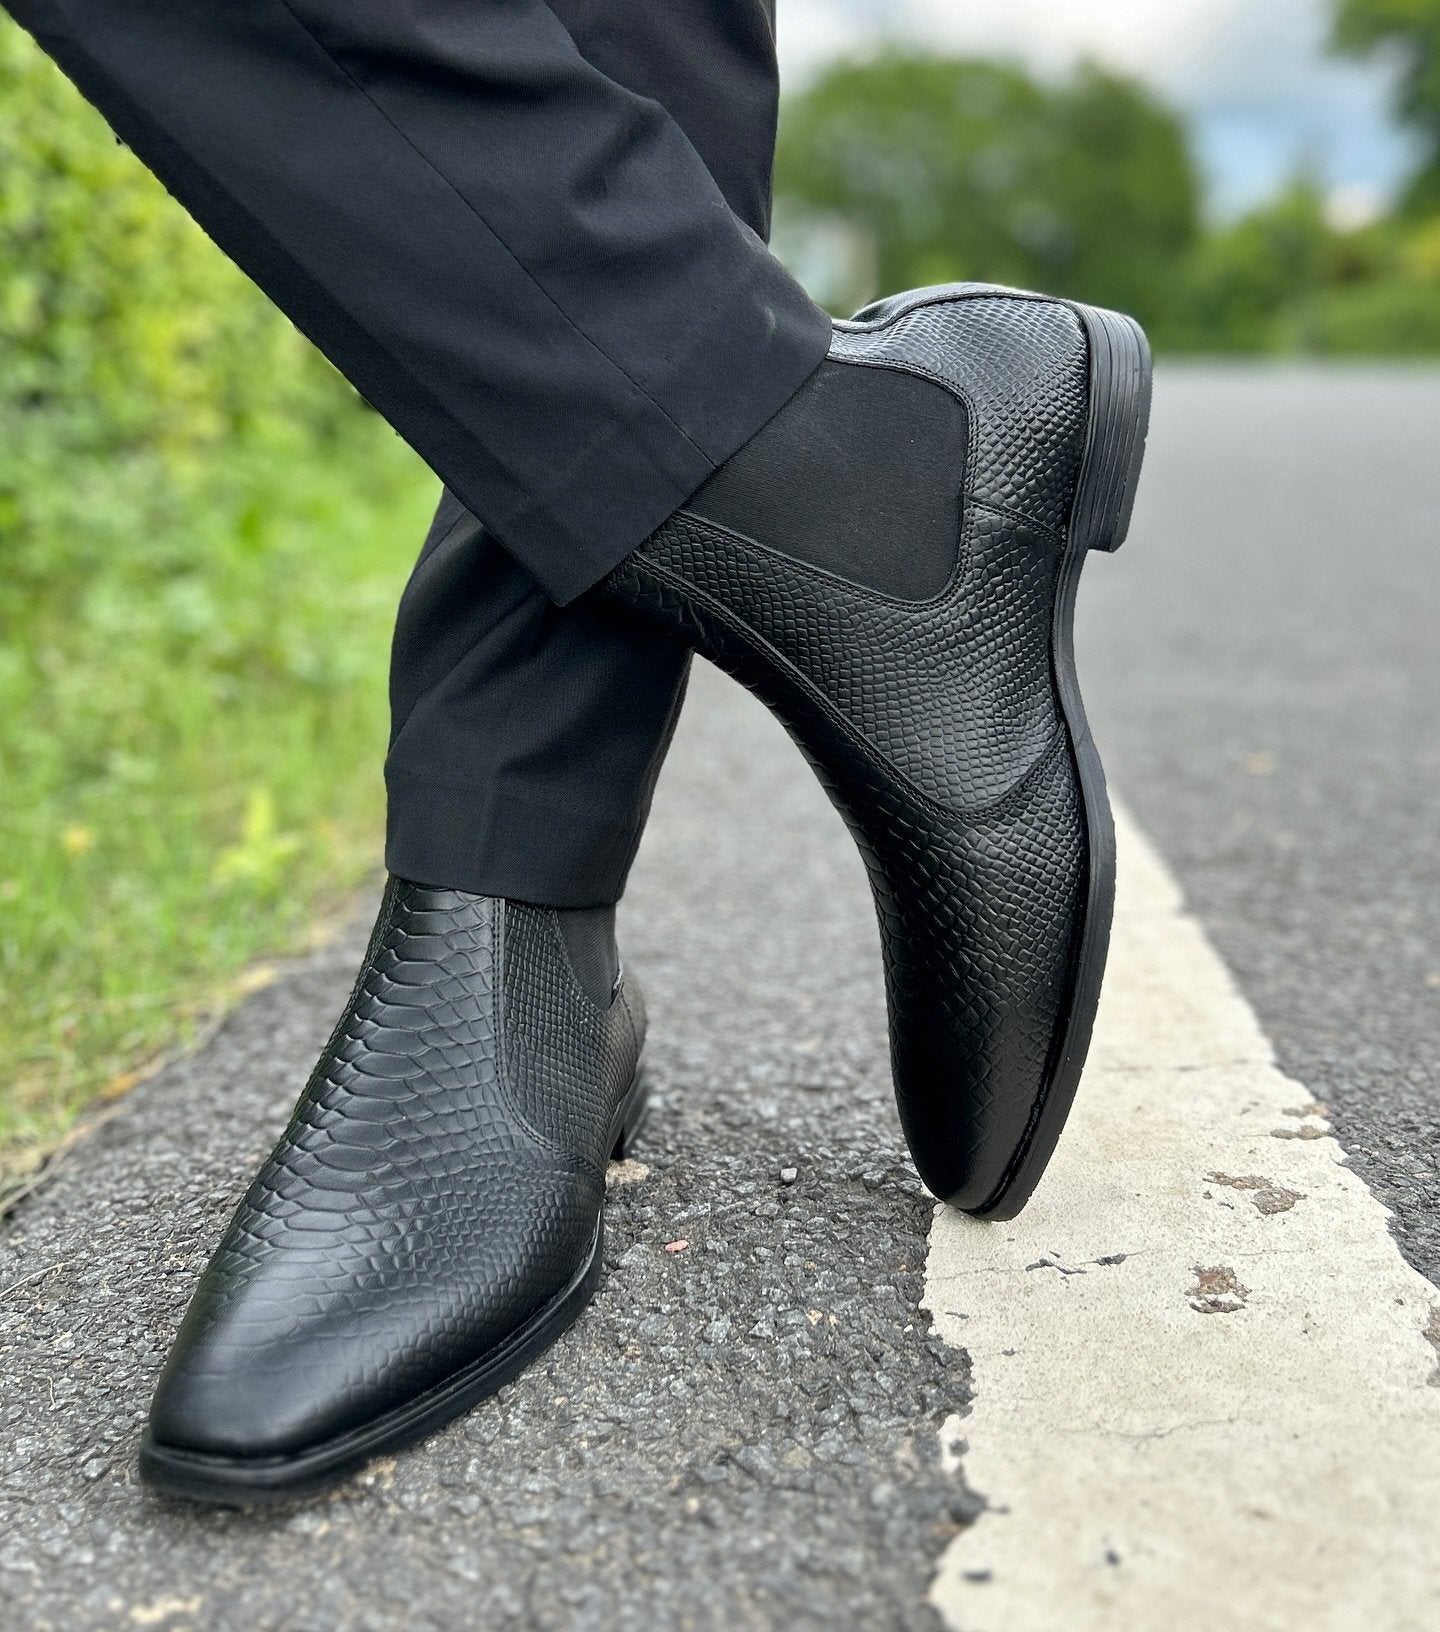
(1121, 378)
(1118, 420)
(249, 1481)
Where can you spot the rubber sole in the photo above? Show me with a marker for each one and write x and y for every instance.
(244, 1482)
(1121, 377)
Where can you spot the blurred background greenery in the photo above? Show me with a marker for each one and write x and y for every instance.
(203, 532)
(202, 537)
(909, 169)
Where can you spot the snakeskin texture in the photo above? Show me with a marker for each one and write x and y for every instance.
(936, 726)
(439, 1184)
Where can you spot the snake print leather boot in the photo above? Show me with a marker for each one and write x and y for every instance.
(947, 727)
(431, 1219)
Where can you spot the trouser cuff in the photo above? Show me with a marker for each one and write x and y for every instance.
(747, 356)
(492, 843)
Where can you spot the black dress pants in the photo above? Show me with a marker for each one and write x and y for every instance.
(526, 737)
(510, 224)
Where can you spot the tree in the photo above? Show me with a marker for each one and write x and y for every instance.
(931, 169)
(1251, 286)
(1410, 28)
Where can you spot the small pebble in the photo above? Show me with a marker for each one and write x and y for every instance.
(788, 1175)
(676, 1246)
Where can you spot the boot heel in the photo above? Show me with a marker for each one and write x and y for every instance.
(1120, 383)
(632, 1115)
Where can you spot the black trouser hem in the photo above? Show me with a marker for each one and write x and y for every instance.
(748, 358)
(492, 843)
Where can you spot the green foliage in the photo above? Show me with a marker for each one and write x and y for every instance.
(1410, 28)
(121, 328)
(944, 169)
(911, 170)
(1386, 318)
(202, 536)
(130, 349)
(191, 762)
(1244, 280)
(1281, 280)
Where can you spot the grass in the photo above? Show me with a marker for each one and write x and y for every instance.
(191, 737)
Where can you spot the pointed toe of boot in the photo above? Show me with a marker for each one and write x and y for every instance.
(210, 1408)
(429, 1223)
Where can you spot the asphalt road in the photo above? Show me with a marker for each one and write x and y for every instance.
(739, 1434)
(1262, 661)
(744, 1433)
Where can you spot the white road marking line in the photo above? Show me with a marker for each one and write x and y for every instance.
(1204, 1392)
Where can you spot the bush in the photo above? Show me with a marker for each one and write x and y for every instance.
(1283, 281)
(130, 349)
(202, 536)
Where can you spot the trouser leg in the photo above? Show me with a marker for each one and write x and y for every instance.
(524, 265)
(526, 737)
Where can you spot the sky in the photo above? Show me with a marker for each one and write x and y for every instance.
(1252, 76)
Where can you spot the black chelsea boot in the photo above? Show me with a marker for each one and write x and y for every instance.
(891, 564)
(432, 1218)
